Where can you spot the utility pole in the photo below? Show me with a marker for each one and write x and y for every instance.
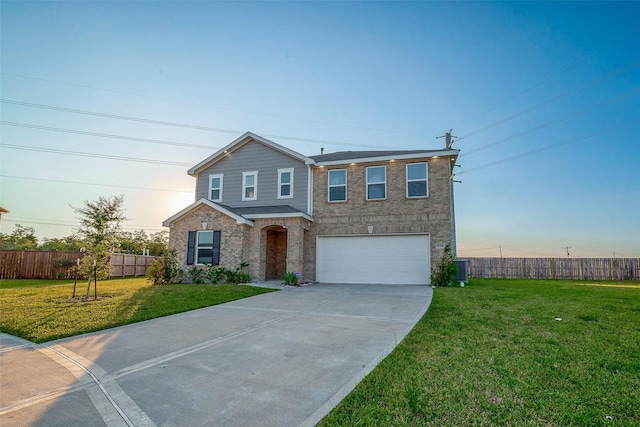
(500, 246)
(448, 138)
(567, 248)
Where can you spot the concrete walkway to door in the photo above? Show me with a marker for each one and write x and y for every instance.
(279, 359)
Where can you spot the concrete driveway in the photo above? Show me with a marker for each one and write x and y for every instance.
(279, 359)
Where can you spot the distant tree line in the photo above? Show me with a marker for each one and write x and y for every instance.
(99, 231)
(127, 242)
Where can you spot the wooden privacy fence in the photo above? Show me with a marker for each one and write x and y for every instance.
(555, 268)
(123, 265)
(62, 265)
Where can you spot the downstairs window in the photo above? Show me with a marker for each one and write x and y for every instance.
(204, 247)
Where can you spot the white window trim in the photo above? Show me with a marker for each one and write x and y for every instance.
(197, 248)
(426, 179)
(346, 179)
(255, 185)
(290, 183)
(216, 175)
(366, 178)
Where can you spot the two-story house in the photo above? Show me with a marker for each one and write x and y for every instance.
(347, 217)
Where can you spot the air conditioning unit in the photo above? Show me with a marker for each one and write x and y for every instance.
(463, 271)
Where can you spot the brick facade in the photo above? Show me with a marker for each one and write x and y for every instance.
(395, 214)
(243, 243)
(273, 240)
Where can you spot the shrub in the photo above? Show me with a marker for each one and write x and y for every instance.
(164, 269)
(214, 273)
(446, 270)
(290, 278)
(237, 275)
(196, 274)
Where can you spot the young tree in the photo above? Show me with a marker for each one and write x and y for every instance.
(100, 225)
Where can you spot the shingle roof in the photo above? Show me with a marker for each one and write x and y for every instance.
(262, 210)
(353, 155)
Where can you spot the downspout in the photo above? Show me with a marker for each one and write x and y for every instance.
(309, 190)
(453, 211)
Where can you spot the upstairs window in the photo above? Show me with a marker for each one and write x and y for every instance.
(337, 185)
(417, 180)
(250, 185)
(376, 182)
(285, 183)
(215, 187)
(204, 247)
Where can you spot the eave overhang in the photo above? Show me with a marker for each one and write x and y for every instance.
(239, 142)
(240, 220)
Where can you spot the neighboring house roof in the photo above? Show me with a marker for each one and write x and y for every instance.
(244, 215)
(239, 142)
(343, 157)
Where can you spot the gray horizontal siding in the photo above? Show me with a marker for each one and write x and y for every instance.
(256, 157)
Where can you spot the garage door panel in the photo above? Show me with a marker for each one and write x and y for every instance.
(389, 259)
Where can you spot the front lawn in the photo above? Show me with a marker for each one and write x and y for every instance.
(510, 352)
(41, 311)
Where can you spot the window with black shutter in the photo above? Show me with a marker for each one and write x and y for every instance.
(204, 247)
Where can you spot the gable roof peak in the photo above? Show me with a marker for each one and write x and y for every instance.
(239, 142)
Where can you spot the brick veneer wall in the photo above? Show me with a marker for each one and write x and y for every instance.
(241, 243)
(395, 214)
(232, 245)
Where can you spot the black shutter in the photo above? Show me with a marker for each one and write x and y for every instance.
(216, 247)
(191, 247)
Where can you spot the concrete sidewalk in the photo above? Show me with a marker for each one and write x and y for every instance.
(279, 359)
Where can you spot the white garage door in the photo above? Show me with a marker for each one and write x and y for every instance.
(392, 259)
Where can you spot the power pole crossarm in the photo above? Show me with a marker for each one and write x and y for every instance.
(448, 138)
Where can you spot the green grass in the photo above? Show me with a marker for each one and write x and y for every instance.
(493, 353)
(41, 310)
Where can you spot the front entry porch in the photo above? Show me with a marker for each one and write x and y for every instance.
(281, 243)
(275, 252)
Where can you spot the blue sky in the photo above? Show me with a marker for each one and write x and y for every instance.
(545, 98)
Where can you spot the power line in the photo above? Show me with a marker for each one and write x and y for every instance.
(183, 125)
(550, 147)
(58, 223)
(99, 156)
(68, 223)
(530, 88)
(553, 99)
(215, 106)
(95, 184)
(553, 122)
(106, 135)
